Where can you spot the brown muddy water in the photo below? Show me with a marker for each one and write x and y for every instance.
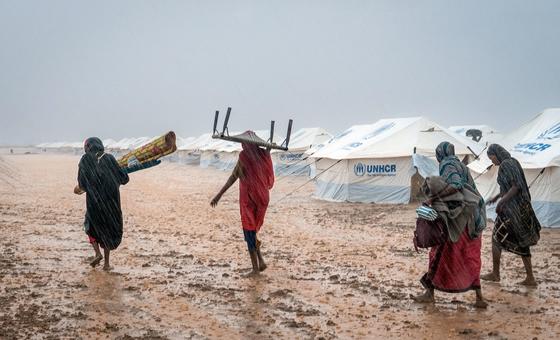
(335, 270)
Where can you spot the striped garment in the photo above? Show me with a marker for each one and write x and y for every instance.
(426, 213)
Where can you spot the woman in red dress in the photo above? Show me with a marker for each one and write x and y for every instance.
(256, 177)
(454, 266)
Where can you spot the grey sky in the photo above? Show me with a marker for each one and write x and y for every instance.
(73, 69)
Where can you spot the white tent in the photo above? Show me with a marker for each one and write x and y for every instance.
(225, 156)
(180, 142)
(296, 161)
(222, 154)
(489, 134)
(218, 153)
(536, 145)
(376, 162)
(108, 143)
(189, 152)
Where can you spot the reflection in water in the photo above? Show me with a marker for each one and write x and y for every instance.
(253, 308)
(104, 294)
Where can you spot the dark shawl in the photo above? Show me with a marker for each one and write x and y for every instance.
(100, 176)
(518, 212)
(457, 175)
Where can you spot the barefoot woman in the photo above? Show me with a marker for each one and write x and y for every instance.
(454, 266)
(256, 178)
(517, 228)
(100, 176)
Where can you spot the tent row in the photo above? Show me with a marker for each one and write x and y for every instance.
(385, 162)
(215, 153)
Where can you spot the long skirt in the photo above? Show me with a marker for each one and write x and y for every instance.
(454, 267)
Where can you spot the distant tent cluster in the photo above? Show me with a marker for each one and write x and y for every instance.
(386, 162)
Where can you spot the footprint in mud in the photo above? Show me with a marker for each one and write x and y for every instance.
(281, 293)
(294, 324)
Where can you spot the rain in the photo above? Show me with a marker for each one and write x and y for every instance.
(279, 170)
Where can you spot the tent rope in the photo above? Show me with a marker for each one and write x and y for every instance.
(535, 179)
(485, 171)
(304, 184)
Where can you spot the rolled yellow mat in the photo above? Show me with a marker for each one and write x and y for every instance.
(156, 149)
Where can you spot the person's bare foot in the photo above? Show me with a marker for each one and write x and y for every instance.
(96, 261)
(427, 297)
(252, 273)
(262, 266)
(530, 282)
(481, 304)
(490, 277)
(107, 268)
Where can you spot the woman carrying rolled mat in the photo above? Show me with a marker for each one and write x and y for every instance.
(100, 177)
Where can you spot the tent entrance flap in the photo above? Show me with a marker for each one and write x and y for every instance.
(250, 138)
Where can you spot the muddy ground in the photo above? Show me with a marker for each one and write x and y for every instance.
(335, 270)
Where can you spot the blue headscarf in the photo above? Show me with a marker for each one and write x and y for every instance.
(444, 150)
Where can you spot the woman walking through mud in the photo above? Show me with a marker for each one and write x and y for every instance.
(454, 266)
(100, 176)
(256, 177)
(516, 228)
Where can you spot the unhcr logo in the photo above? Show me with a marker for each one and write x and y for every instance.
(361, 169)
(552, 133)
(532, 148)
(291, 157)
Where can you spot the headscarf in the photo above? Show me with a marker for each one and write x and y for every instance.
(93, 145)
(499, 151)
(257, 164)
(457, 175)
(443, 150)
(257, 180)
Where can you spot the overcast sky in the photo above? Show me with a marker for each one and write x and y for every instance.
(74, 69)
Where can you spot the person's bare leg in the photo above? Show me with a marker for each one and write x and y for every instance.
(106, 266)
(480, 302)
(530, 279)
(262, 264)
(98, 257)
(495, 274)
(254, 263)
(427, 297)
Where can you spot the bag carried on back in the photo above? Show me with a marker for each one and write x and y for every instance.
(430, 231)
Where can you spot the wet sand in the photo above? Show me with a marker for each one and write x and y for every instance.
(335, 270)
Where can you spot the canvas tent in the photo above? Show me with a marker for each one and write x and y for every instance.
(219, 154)
(181, 143)
(189, 152)
(296, 160)
(536, 145)
(377, 162)
(222, 154)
